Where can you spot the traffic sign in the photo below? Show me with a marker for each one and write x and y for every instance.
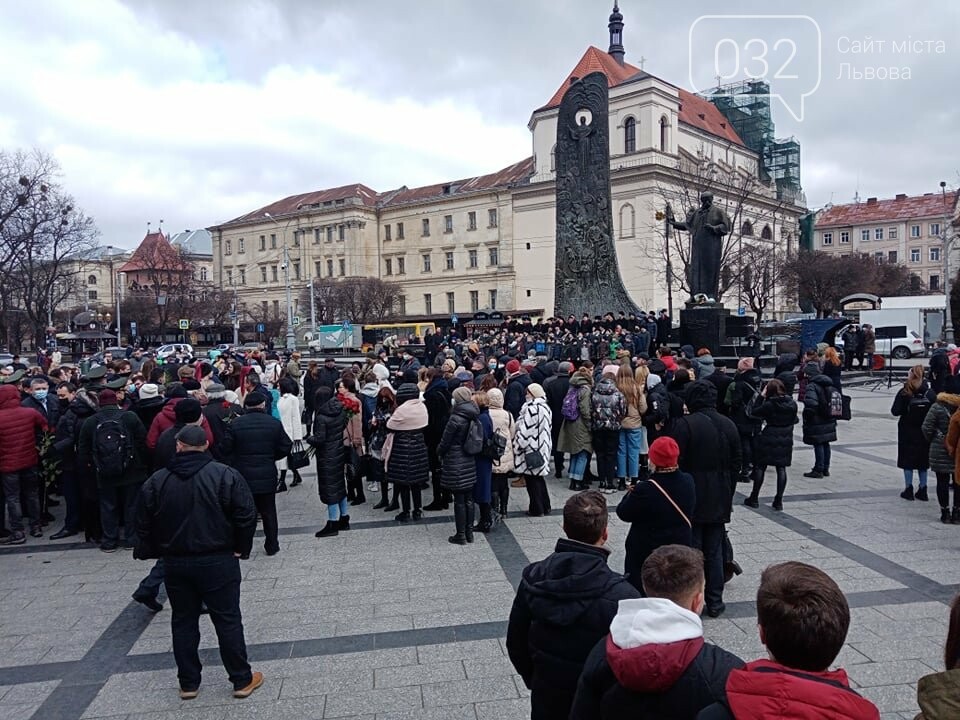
(233, 314)
(296, 321)
(454, 319)
(184, 324)
(133, 327)
(741, 311)
(261, 328)
(347, 327)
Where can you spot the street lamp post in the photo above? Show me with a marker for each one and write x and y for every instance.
(948, 314)
(291, 337)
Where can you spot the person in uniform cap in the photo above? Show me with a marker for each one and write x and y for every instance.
(93, 379)
(199, 517)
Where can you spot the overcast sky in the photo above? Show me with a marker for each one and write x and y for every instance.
(196, 112)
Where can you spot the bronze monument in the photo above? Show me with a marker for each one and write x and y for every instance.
(707, 225)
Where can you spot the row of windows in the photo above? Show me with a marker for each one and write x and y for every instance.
(878, 234)
(331, 232)
(492, 221)
(452, 302)
(473, 261)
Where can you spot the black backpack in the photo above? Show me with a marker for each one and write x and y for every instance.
(112, 449)
(494, 446)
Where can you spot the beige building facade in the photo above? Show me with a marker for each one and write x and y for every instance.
(488, 242)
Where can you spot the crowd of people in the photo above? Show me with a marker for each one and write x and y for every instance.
(669, 435)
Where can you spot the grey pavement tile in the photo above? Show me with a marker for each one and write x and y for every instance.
(404, 675)
(460, 712)
(459, 650)
(468, 691)
(888, 673)
(373, 701)
(518, 709)
(488, 666)
(333, 680)
(893, 698)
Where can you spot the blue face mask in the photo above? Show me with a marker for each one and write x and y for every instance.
(492, 366)
(40, 395)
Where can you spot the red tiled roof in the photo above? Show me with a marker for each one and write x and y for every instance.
(902, 207)
(155, 253)
(317, 197)
(694, 110)
(511, 175)
(594, 60)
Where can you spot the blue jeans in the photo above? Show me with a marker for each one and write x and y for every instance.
(908, 477)
(821, 456)
(628, 453)
(338, 510)
(578, 465)
(213, 580)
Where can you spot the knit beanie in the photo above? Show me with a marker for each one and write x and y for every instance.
(664, 452)
(462, 395)
(407, 391)
(187, 410)
(513, 366)
(745, 363)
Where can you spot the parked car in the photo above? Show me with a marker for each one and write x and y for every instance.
(5, 359)
(165, 351)
(214, 353)
(905, 343)
(117, 353)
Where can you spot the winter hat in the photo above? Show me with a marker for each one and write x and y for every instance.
(381, 372)
(191, 384)
(148, 390)
(187, 410)
(215, 391)
(464, 376)
(657, 367)
(610, 370)
(253, 399)
(565, 367)
(107, 397)
(448, 366)
(410, 376)
(175, 390)
(462, 395)
(407, 391)
(495, 398)
(192, 436)
(653, 381)
(536, 390)
(513, 366)
(664, 452)
(230, 396)
(745, 363)
(811, 369)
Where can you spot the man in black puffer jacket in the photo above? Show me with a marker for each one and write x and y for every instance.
(564, 605)
(198, 516)
(710, 451)
(259, 440)
(555, 388)
(654, 662)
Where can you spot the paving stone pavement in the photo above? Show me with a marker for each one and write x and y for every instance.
(390, 622)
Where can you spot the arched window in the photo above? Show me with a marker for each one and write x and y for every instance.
(747, 229)
(553, 159)
(203, 274)
(766, 233)
(628, 218)
(664, 143)
(630, 135)
(92, 280)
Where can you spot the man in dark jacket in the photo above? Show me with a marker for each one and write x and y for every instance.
(328, 375)
(803, 618)
(654, 662)
(187, 412)
(721, 381)
(516, 391)
(438, 400)
(556, 388)
(76, 407)
(746, 386)
(563, 606)
(198, 516)
(819, 426)
(219, 414)
(710, 451)
(259, 440)
(118, 479)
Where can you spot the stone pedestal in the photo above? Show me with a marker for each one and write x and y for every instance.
(704, 326)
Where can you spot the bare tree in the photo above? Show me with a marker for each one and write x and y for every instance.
(750, 203)
(359, 300)
(166, 276)
(762, 272)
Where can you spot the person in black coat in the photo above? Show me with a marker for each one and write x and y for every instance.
(563, 606)
(149, 403)
(774, 445)
(910, 406)
(219, 414)
(658, 509)
(516, 390)
(710, 451)
(187, 412)
(258, 441)
(746, 385)
(437, 398)
(460, 468)
(405, 453)
(655, 663)
(556, 388)
(326, 435)
(819, 426)
(75, 408)
(721, 381)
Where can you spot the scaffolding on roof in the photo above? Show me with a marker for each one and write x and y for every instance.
(746, 105)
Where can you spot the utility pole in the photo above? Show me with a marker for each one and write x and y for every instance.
(291, 337)
(313, 309)
(948, 314)
(236, 316)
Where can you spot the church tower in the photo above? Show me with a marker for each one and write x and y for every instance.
(616, 50)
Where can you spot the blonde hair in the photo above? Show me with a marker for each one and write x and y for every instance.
(631, 389)
(481, 399)
(914, 380)
(641, 374)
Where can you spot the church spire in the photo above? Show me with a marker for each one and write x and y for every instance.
(616, 50)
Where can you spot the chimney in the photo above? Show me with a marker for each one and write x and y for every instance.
(901, 196)
(871, 201)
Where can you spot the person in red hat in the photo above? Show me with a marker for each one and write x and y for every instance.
(659, 509)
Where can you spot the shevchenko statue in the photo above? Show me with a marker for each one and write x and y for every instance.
(707, 225)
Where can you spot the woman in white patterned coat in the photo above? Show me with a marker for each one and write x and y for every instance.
(531, 436)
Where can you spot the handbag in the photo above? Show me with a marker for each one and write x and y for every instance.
(847, 412)
(298, 457)
(533, 459)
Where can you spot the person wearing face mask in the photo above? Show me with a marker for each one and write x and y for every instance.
(74, 408)
(39, 398)
(410, 363)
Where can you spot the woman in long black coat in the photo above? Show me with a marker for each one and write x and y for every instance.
(437, 399)
(913, 449)
(459, 468)
(405, 452)
(774, 445)
(329, 421)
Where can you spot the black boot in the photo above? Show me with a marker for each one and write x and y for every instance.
(460, 519)
(753, 500)
(394, 501)
(573, 485)
(907, 494)
(331, 529)
(921, 493)
(781, 487)
(344, 522)
(359, 497)
(384, 496)
(468, 526)
(297, 480)
(945, 515)
(403, 517)
(622, 485)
